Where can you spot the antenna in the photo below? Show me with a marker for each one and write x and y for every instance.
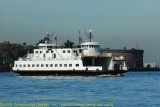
(137, 46)
(90, 30)
(79, 37)
(49, 36)
(90, 34)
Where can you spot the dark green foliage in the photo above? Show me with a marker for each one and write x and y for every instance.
(10, 52)
(43, 40)
(61, 46)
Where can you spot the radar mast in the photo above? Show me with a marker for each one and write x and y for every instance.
(89, 36)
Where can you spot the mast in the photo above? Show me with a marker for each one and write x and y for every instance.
(90, 35)
(79, 37)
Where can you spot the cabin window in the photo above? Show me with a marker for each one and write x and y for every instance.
(74, 51)
(33, 65)
(70, 65)
(49, 47)
(51, 65)
(46, 65)
(40, 51)
(42, 65)
(37, 65)
(77, 65)
(80, 51)
(28, 65)
(60, 65)
(64, 51)
(51, 51)
(46, 51)
(56, 65)
(36, 51)
(16, 65)
(68, 51)
(20, 65)
(24, 65)
(65, 65)
(54, 55)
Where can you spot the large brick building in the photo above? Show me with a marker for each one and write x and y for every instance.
(133, 57)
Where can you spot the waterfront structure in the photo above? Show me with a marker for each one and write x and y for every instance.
(133, 57)
(88, 60)
(149, 65)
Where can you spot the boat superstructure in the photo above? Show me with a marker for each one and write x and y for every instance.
(87, 60)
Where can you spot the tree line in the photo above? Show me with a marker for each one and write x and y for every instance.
(9, 52)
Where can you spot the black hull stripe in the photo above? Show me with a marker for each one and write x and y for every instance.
(69, 73)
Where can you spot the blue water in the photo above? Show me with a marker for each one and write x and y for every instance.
(134, 89)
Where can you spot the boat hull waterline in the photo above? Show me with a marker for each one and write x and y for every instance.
(69, 73)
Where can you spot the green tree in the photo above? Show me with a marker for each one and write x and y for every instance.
(10, 52)
(43, 40)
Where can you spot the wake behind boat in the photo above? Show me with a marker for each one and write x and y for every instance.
(87, 60)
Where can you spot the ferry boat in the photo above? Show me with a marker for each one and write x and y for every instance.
(86, 60)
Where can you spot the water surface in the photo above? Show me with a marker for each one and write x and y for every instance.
(133, 89)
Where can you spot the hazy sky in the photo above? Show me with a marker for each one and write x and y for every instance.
(116, 23)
